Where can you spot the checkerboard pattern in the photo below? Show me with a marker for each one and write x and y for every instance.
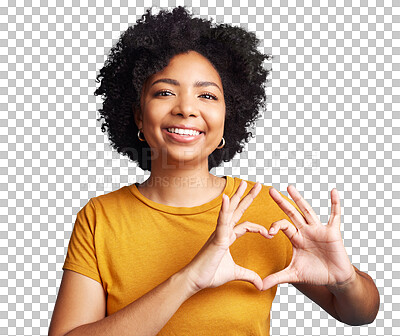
(331, 122)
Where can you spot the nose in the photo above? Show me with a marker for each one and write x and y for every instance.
(186, 106)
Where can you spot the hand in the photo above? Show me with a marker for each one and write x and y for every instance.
(213, 265)
(319, 256)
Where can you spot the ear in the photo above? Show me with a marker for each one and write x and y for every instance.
(137, 113)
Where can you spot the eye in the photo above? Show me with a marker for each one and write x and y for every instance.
(209, 96)
(163, 93)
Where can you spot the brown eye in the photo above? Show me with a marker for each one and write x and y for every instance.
(209, 96)
(163, 93)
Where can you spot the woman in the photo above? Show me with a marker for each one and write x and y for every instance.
(161, 256)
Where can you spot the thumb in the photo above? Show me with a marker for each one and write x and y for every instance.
(245, 274)
(280, 277)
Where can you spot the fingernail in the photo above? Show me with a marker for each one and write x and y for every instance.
(271, 230)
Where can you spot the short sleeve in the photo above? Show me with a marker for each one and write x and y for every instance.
(81, 255)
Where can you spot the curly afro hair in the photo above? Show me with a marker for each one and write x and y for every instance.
(147, 47)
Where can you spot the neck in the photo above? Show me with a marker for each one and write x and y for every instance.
(182, 186)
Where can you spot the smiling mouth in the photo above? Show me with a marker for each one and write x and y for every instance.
(183, 138)
(183, 132)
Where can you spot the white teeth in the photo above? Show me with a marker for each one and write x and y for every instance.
(183, 131)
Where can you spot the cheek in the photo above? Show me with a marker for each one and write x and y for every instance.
(216, 121)
(151, 115)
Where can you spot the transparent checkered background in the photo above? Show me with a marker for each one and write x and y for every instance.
(331, 122)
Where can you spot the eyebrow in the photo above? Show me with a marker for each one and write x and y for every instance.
(196, 84)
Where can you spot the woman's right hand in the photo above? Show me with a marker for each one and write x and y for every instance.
(213, 265)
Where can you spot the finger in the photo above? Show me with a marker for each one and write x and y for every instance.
(223, 220)
(334, 218)
(308, 212)
(247, 226)
(296, 217)
(238, 195)
(286, 227)
(245, 203)
(284, 276)
(245, 274)
(223, 213)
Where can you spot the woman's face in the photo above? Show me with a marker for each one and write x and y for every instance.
(187, 94)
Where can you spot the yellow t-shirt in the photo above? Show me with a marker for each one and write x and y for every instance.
(131, 244)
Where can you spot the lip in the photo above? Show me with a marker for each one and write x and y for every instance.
(181, 138)
(185, 127)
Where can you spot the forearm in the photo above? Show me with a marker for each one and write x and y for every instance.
(145, 316)
(356, 302)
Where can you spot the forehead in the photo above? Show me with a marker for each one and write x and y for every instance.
(188, 66)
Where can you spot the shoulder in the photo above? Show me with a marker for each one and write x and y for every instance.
(263, 202)
(110, 205)
(263, 199)
(250, 184)
(112, 199)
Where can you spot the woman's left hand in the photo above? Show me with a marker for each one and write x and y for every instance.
(319, 256)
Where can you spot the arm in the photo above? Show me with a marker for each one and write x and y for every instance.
(320, 267)
(80, 308)
(354, 303)
(81, 304)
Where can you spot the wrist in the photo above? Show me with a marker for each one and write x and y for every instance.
(182, 279)
(344, 286)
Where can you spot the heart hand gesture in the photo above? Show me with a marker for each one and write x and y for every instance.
(319, 256)
(213, 265)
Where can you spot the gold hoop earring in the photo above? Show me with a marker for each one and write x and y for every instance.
(223, 144)
(138, 134)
